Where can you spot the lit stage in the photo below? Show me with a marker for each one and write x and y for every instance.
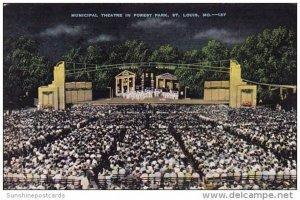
(157, 100)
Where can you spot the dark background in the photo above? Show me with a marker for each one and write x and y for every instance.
(52, 26)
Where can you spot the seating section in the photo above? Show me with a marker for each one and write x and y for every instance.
(150, 147)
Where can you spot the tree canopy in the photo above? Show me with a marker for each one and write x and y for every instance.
(24, 70)
(268, 57)
(166, 53)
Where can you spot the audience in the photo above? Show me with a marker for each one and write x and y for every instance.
(150, 147)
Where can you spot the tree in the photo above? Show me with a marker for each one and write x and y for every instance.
(193, 56)
(166, 53)
(117, 54)
(211, 54)
(95, 55)
(136, 51)
(193, 79)
(215, 51)
(131, 51)
(74, 55)
(81, 57)
(269, 57)
(24, 71)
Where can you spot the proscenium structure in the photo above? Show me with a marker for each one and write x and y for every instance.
(57, 89)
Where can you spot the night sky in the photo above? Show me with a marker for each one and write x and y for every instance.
(56, 31)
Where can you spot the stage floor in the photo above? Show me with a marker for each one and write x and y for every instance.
(119, 100)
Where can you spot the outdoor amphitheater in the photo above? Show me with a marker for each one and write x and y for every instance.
(150, 139)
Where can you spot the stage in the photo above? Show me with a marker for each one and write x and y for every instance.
(120, 100)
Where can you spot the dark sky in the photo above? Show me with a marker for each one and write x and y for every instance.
(56, 31)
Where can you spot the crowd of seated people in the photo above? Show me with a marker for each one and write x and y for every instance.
(222, 156)
(28, 129)
(151, 155)
(59, 158)
(272, 129)
(150, 147)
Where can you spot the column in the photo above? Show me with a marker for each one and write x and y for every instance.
(116, 86)
(142, 82)
(235, 81)
(61, 94)
(122, 88)
(133, 83)
(127, 83)
(130, 87)
(152, 82)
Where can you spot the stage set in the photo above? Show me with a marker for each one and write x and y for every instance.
(129, 86)
(165, 87)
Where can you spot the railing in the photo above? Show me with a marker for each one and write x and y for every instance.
(132, 182)
(11, 182)
(139, 182)
(188, 182)
(254, 177)
(271, 85)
